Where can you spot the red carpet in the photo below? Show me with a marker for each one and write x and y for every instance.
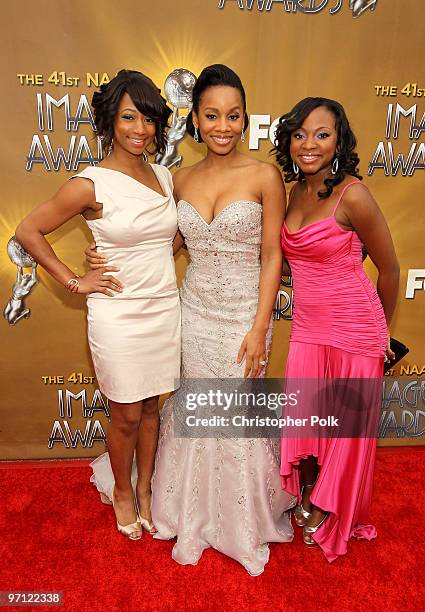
(56, 535)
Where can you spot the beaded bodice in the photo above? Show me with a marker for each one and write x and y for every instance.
(231, 241)
(221, 285)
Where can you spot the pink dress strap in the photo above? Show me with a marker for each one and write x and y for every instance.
(344, 190)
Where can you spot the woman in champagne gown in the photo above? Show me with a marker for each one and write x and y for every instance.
(220, 492)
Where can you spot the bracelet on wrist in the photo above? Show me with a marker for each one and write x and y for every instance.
(72, 285)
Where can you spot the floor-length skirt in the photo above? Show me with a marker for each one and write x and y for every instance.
(344, 484)
(220, 493)
(223, 493)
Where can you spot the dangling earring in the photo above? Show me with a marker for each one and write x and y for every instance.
(144, 157)
(111, 145)
(295, 169)
(335, 166)
(243, 136)
(196, 135)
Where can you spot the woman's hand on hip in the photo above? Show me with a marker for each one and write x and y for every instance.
(96, 260)
(99, 281)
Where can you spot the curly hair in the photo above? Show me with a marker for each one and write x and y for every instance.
(348, 159)
(146, 97)
(213, 76)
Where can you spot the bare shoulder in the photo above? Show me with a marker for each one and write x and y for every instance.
(79, 189)
(361, 208)
(269, 178)
(270, 171)
(182, 175)
(264, 171)
(357, 196)
(257, 164)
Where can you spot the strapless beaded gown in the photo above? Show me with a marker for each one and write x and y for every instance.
(220, 493)
(338, 331)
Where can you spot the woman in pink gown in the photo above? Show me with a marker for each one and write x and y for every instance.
(340, 325)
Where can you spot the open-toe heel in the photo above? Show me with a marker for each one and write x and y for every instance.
(146, 524)
(133, 531)
(301, 515)
(308, 531)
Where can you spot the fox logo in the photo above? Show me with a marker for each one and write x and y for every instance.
(415, 282)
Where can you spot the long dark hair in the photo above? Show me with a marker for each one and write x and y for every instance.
(146, 97)
(212, 76)
(348, 159)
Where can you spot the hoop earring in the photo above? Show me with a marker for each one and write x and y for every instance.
(335, 166)
(295, 169)
(243, 136)
(196, 135)
(111, 146)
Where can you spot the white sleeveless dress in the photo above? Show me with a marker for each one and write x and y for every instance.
(134, 336)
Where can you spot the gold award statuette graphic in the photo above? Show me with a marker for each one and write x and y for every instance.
(15, 309)
(178, 90)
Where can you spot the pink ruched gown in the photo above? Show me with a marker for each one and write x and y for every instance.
(338, 331)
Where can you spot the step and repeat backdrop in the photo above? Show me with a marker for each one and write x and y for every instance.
(367, 54)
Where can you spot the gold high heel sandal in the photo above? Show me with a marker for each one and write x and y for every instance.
(130, 530)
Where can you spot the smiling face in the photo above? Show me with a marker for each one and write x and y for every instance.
(313, 145)
(133, 131)
(220, 118)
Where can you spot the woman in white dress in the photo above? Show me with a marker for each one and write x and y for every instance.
(223, 493)
(134, 317)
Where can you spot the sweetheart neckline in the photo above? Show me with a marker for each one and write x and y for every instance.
(221, 211)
